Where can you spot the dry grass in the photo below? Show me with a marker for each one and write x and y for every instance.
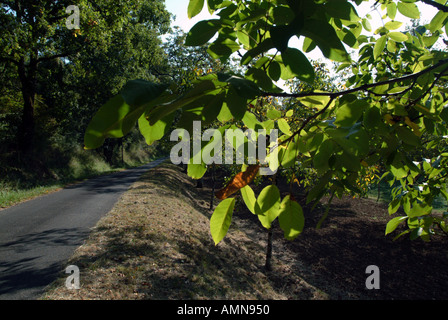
(155, 244)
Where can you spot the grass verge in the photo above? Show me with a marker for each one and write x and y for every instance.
(82, 166)
(155, 244)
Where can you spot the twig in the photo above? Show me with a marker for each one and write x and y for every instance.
(364, 87)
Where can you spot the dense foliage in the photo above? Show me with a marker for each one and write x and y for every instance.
(54, 78)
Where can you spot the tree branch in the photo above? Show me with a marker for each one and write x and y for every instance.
(439, 6)
(9, 60)
(364, 87)
(61, 55)
(308, 120)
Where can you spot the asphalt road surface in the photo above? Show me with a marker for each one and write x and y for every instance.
(38, 236)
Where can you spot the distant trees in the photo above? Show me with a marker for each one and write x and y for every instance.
(74, 70)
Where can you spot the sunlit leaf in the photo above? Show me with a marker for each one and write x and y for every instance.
(194, 8)
(249, 198)
(394, 223)
(267, 206)
(221, 219)
(291, 218)
(409, 10)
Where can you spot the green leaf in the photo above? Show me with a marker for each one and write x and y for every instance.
(284, 126)
(223, 49)
(116, 118)
(267, 205)
(360, 142)
(317, 102)
(261, 79)
(245, 88)
(394, 223)
(196, 171)
(298, 64)
(419, 209)
(249, 198)
(291, 218)
(397, 36)
(391, 10)
(308, 45)
(280, 36)
(393, 206)
(264, 46)
(409, 10)
(438, 21)
(221, 219)
(250, 121)
(366, 24)
(290, 155)
(107, 123)
(137, 93)
(274, 71)
(372, 119)
(202, 32)
(201, 89)
(236, 103)
(379, 46)
(209, 107)
(267, 199)
(195, 8)
(349, 113)
(319, 189)
(322, 156)
(393, 25)
(225, 114)
(341, 9)
(273, 114)
(156, 131)
(283, 15)
(398, 170)
(407, 136)
(325, 37)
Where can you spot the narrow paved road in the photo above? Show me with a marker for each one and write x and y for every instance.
(38, 236)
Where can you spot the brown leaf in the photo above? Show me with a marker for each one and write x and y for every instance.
(239, 181)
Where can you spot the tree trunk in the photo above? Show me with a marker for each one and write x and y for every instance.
(268, 264)
(212, 196)
(27, 128)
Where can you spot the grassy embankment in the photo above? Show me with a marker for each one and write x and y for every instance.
(25, 183)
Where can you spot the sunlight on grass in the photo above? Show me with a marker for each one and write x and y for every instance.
(9, 197)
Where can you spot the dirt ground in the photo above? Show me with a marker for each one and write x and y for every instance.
(335, 257)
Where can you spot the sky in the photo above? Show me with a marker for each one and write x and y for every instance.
(179, 9)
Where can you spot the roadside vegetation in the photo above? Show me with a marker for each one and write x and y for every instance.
(27, 180)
